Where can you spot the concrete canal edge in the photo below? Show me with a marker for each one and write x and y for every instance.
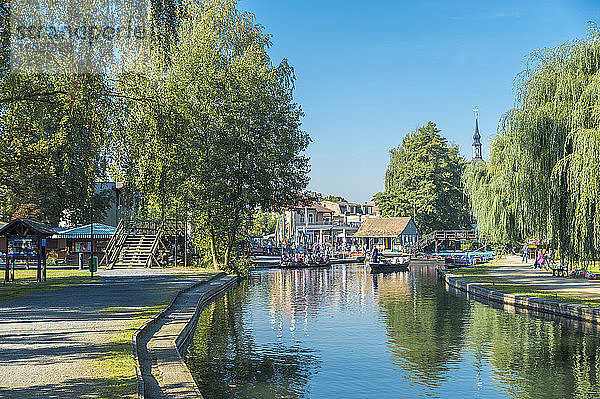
(578, 316)
(159, 343)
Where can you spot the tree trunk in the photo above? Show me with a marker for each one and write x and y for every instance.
(230, 241)
(213, 249)
(231, 238)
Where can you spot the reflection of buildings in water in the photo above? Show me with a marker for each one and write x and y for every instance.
(300, 294)
(391, 284)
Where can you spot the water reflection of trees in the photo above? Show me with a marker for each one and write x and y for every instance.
(425, 326)
(536, 359)
(226, 361)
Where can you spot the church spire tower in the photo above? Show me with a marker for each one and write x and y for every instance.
(477, 139)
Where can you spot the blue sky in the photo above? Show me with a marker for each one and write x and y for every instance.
(368, 72)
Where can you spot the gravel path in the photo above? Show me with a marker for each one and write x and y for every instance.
(513, 270)
(49, 340)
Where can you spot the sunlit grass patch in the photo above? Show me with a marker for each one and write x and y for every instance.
(25, 282)
(117, 365)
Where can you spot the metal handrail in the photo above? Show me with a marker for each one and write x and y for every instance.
(445, 235)
(136, 226)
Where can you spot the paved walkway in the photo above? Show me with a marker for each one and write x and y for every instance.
(49, 340)
(513, 270)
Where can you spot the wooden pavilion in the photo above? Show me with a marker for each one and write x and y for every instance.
(25, 239)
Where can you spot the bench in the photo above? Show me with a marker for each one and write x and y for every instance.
(560, 271)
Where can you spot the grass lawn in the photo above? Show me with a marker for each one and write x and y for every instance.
(116, 368)
(480, 274)
(25, 281)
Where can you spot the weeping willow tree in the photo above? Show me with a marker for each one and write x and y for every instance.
(542, 177)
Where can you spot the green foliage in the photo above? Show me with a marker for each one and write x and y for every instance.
(263, 223)
(221, 135)
(468, 245)
(51, 149)
(334, 198)
(423, 179)
(542, 177)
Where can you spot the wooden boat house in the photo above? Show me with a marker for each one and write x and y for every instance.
(392, 234)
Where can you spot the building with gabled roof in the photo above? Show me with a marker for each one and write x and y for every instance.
(399, 233)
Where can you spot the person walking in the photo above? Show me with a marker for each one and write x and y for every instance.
(525, 252)
(541, 259)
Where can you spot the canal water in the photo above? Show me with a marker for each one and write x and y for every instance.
(345, 333)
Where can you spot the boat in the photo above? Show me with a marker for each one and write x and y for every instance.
(321, 263)
(386, 267)
(343, 261)
(293, 263)
(299, 263)
(357, 256)
(464, 259)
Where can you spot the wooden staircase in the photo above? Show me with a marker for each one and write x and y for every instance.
(136, 251)
(136, 243)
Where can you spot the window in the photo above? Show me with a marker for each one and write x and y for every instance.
(311, 219)
(301, 219)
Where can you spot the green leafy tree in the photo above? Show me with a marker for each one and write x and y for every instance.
(423, 180)
(221, 134)
(52, 146)
(542, 175)
(263, 223)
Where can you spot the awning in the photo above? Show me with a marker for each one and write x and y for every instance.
(101, 231)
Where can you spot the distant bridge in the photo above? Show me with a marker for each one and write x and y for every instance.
(440, 236)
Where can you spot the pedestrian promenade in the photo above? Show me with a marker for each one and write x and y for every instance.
(50, 340)
(511, 269)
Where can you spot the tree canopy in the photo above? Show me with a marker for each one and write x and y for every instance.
(203, 126)
(542, 176)
(222, 135)
(423, 180)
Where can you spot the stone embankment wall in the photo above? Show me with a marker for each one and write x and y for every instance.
(158, 345)
(575, 316)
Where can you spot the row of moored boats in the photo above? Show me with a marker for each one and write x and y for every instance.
(382, 265)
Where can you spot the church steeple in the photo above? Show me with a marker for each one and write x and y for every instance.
(477, 140)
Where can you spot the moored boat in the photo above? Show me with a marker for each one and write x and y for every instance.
(292, 263)
(384, 267)
(299, 262)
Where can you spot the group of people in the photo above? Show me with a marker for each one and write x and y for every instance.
(542, 259)
(313, 253)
